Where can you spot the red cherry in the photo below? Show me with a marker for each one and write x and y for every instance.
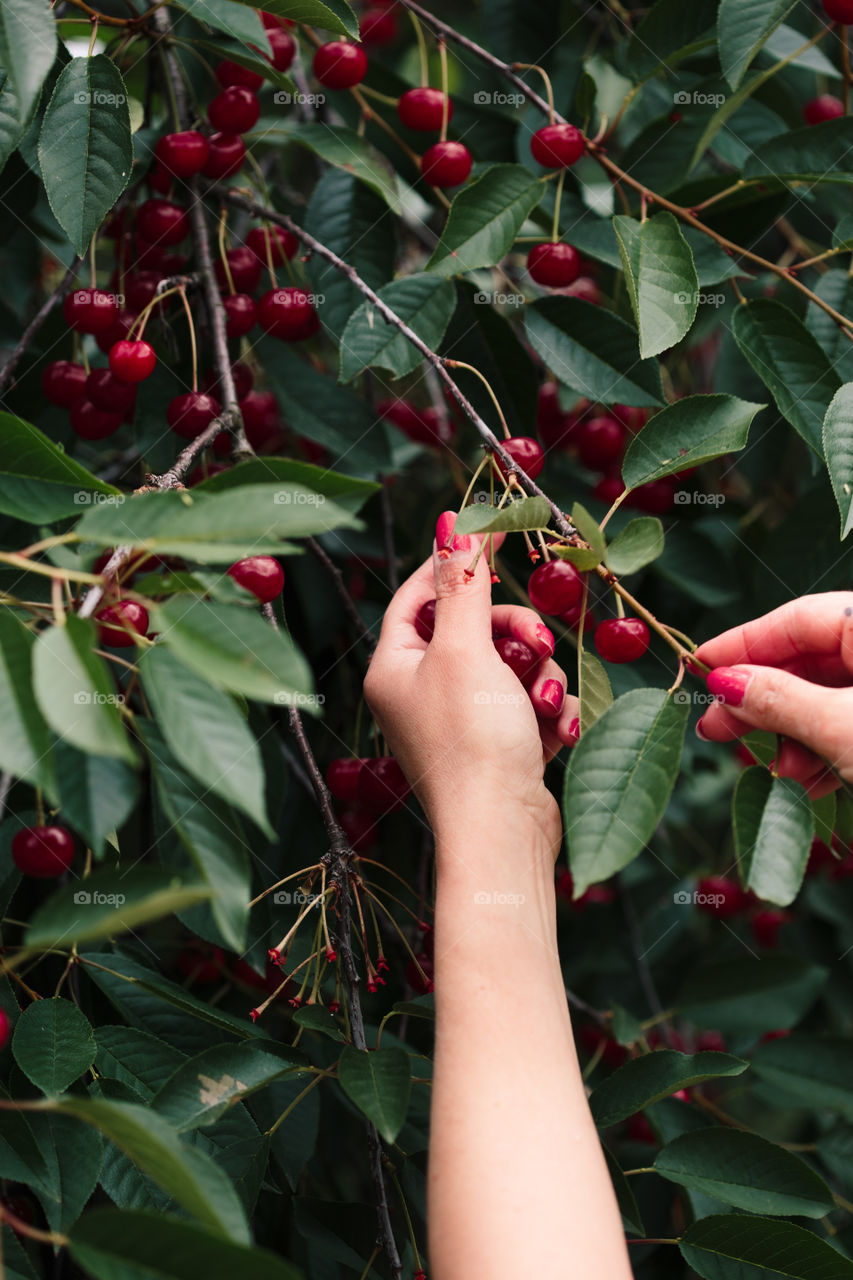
(711, 1040)
(132, 361)
(622, 639)
(340, 65)
(159, 181)
(557, 146)
(283, 48)
(632, 418)
(119, 329)
(183, 154)
(342, 778)
(191, 413)
(230, 74)
(825, 107)
(63, 382)
(204, 966)
(359, 827)
(234, 110)
(600, 442)
(446, 164)
(271, 20)
(656, 497)
(241, 374)
(89, 310)
(423, 109)
(519, 657)
(765, 926)
(554, 264)
(425, 620)
(572, 617)
(382, 785)
(42, 851)
(245, 270)
(839, 10)
(555, 587)
(423, 426)
(241, 314)
(420, 974)
(285, 313)
(378, 25)
(91, 423)
(608, 488)
(120, 623)
(140, 288)
(108, 392)
(162, 222)
(719, 896)
(282, 244)
(261, 418)
(262, 575)
(226, 153)
(526, 452)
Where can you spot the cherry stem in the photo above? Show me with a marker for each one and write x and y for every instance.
(295, 875)
(319, 1077)
(549, 88)
(461, 364)
(193, 348)
(422, 49)
(93, 36)
(445, 102)
(558, 196)
(487, 458)
(581, 621)
(642, 612)
(223, 255)
(616, 505)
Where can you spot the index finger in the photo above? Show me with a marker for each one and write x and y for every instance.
(812, 625)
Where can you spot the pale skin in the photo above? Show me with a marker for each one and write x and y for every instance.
(517, 1180)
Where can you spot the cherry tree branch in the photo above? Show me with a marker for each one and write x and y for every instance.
(37, 321)
(351, 609)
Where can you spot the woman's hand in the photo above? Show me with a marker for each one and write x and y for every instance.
(452, 711)
(789, 672)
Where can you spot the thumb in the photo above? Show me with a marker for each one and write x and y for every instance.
(463, 591)
(767, 698)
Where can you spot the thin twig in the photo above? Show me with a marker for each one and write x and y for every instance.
(350, 607)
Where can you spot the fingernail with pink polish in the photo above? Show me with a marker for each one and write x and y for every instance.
(575, 729)
(444, 526)
(545, 636)
(728, 684)
(700, 732)
(552, 692)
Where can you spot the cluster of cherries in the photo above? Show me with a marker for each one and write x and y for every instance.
(724, 898)
(369, 789)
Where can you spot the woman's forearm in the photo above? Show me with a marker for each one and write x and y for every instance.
(517, 1180)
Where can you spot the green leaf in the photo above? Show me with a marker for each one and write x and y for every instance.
(670, 32)
(38, 483)
(818, 153)
(331, 15)
(245, 57)
(85, 146)
(108, 903)
(96, 793)
(235, 649)
(835, 287)
(485, 219)
(11, 132)
(523, 513)
(339, 146)
(424, 302)
(773, 829)
(53, 1044)
(746, 1171)
(234, 20)
(815, 1071)
(624, 1196)
(185, 1173)
(206, 733)
(75, 691)
(27, 49)
(136, 1058)
(642, 1081)
(211, 836)
(115, 1244)
(824, 812)
(203, 1088)
(379, 1082)
(661, 278)
(594, 693)
(728, 1245)
(789, 362)
(74, 1156)
(348, 492)
(216, 528)
(317, 1018)
(24, 738)
(592, 351)
(691, 431)
(743, 29)
(838, 451)
(638, 544)
(618, 781)
(590, 531)
(753, 994)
